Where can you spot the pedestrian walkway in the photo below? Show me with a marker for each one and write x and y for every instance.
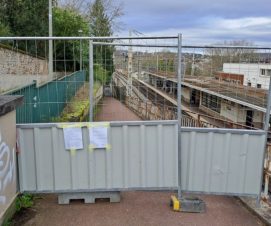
(113, 110)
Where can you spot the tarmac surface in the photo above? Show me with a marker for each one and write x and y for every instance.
(140, 208)
(113, 110)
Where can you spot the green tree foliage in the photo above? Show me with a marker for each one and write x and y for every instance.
(102, 17)
(4, 30)
(99, 20)
(25, 18)
(68, 22)
(100, 74)
(30, 18)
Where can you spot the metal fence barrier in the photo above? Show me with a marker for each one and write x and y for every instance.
(143, 156)
(156, 78)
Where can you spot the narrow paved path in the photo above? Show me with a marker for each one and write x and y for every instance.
(113, 110)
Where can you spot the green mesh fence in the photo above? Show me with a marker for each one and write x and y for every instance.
(42, 104)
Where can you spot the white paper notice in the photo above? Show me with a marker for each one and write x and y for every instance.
(73, 138)
(98, 137)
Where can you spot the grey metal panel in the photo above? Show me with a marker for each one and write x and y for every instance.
(143, 156)
(135, 161)
(228, 163)
(27, 172)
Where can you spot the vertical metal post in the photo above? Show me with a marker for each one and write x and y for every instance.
(268, 108)
(130, 66)
(50, 17)
(179, 112)
(193, 65)
(266, 129)
(80, 34)
(80, 54)
(91, 104)
(157, 62)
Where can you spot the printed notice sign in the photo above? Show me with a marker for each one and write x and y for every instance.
(73, 138)
(98, 137)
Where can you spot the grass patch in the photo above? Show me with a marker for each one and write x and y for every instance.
(78, 108)
(24, 201)
(24, 211)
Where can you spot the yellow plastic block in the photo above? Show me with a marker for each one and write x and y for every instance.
(176, 203)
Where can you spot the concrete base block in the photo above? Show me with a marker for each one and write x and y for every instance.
(192, 205)
(188, 204)
(89, 197)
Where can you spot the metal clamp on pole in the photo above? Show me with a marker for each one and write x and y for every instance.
(183, 204)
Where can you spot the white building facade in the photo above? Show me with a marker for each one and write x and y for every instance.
(255, 75)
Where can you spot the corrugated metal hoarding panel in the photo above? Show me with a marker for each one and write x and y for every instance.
(143, 156)
(219, 161)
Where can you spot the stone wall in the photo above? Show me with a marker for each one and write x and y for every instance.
(149, 111)
(12, 82)
(146, 110)
(19, 63)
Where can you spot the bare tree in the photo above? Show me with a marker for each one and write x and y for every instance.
(81, 6)
(216, 57)
(109, 11)
(112, 11)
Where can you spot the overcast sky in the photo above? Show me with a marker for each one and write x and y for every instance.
(201, 21)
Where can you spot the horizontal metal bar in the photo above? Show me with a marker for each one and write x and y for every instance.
(146, 123)
(165, 189)
(149, 189)
(221, 193)
(150, 123)
(88, 38)
(223, 131)
(112, 124)
(134, 45)
(224, 47)
(137, 38)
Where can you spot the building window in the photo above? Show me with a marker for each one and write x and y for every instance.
(259, 86)
(249, 84)
(266, 72)
(210, 101)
